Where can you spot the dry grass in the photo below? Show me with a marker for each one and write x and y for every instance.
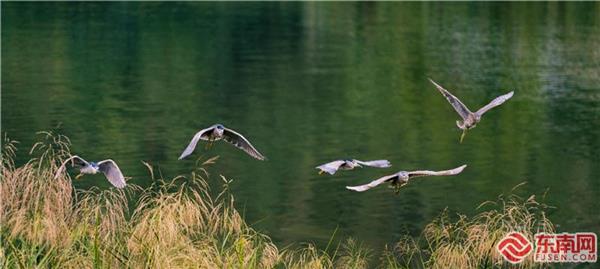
(46, 223)
(176, 223)
(469, 242)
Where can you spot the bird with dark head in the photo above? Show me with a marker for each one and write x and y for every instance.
(219, 132)
(401, 178)
(349, 164)
(108, 167)
(469, 119)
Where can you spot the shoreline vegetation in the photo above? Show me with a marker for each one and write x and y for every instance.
(179, 223)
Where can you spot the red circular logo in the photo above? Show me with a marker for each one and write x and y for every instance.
(514, 247)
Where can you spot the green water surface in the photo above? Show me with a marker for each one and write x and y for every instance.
(308, 83)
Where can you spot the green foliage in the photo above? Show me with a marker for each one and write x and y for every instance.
(46, 223)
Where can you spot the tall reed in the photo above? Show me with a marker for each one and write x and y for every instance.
(470, 242)
(181, 223)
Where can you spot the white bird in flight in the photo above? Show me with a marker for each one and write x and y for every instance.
(218, 132)
(349, 164)
(108, 167)
(401, 178)
(470, 119)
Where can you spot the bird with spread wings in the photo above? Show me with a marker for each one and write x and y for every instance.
(349, 164)
(469, 119)
(108, 167)
(401, 178)
(218, 132)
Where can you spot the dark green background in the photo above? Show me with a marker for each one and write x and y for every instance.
(311, 82)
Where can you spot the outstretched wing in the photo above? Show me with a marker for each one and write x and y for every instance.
(330, 167)
(494, 103)
(75, 161)
(242, 143)
(372, 184)
(376, 163)
(112, 173)
(423, 173)
(462, 110)
(203, 134)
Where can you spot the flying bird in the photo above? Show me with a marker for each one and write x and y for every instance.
(218, 132)
(401, 178)
(108, 167)
(470, 119)
(349, 164)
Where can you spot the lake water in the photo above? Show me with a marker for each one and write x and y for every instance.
(308, 83)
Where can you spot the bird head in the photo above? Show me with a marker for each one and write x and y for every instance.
(219, 128)
(403, 176)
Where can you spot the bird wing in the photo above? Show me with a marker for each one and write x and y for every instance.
(112, 173)
(75, 160)
(330, 167)
(494, 103)
(242, 143)
(423, 173)
(202, 134)
(372, 184)
(376, 163)
(462, 110)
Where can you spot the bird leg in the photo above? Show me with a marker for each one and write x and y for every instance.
(462, 136)
(397, 185)
(396, 188)
(208, 145)
(79, 176)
